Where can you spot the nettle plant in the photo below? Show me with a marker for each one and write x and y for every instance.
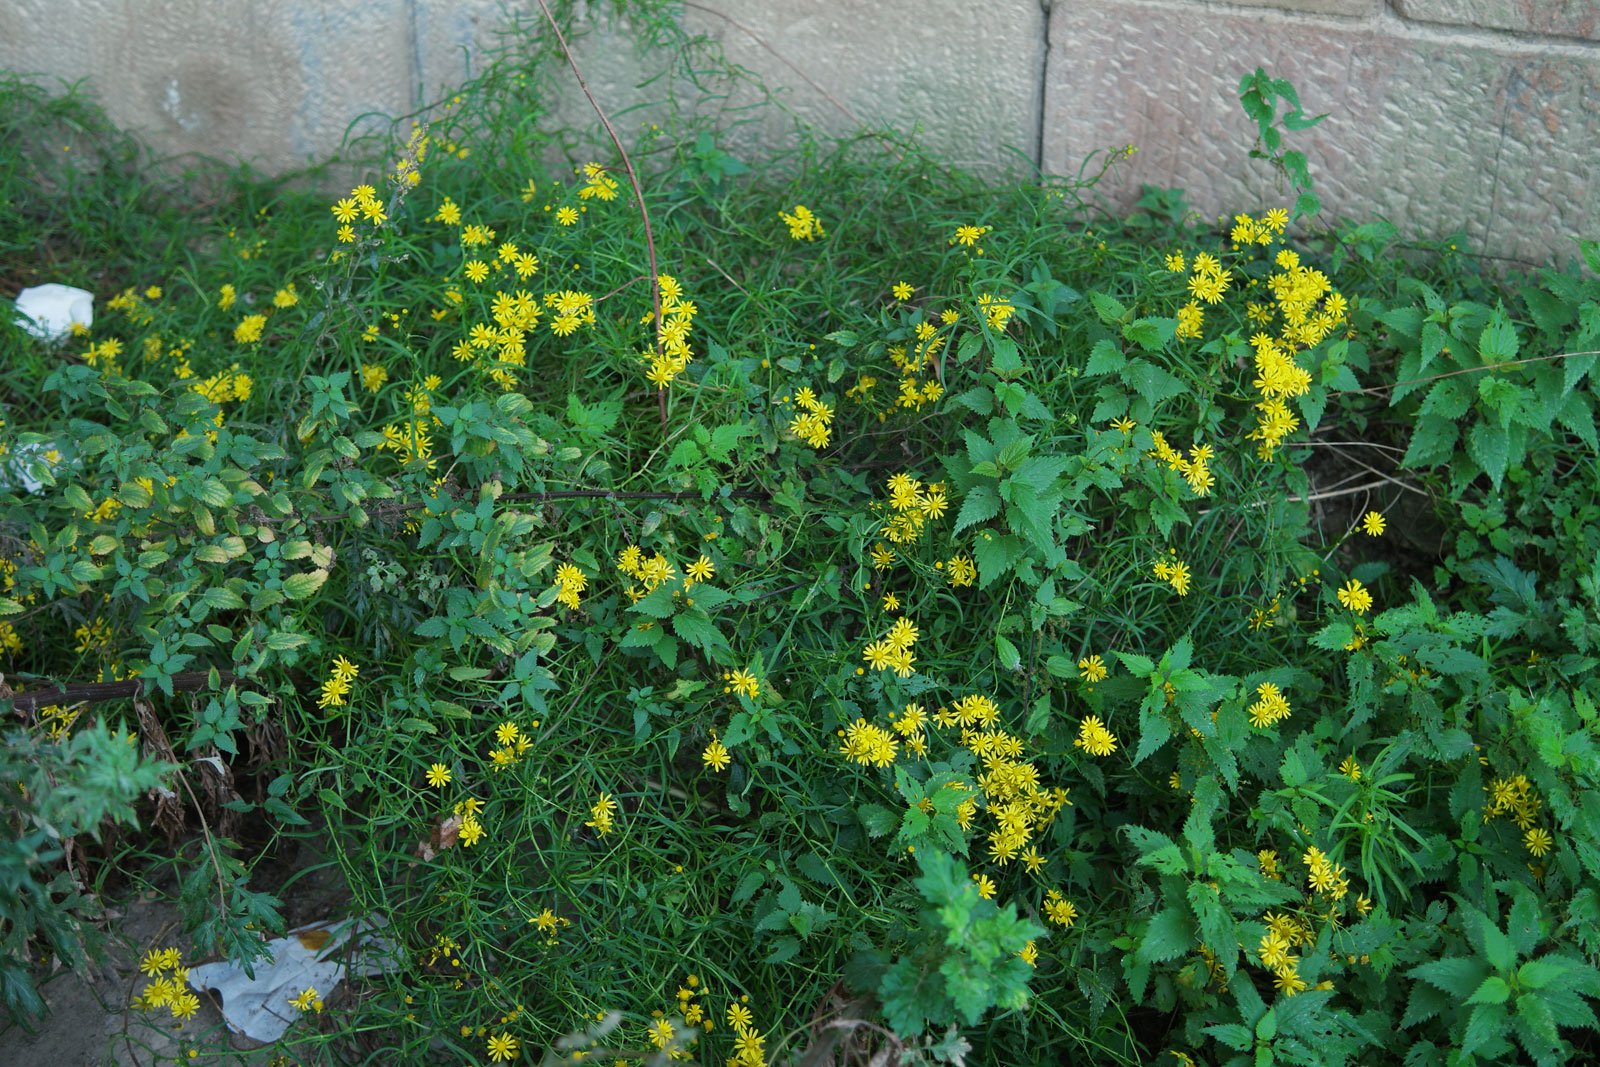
(712, 610)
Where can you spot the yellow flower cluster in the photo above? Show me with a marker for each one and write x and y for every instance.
(511, 744)
(803, 225)
(911, 506)
(1094, 738)
(814, 424)
(597, 184)
(570, 584)
(1515, 799)
(362, 203)
(1324, 876)
(1059, 910)
(867, 743)
(893, 651)
(649, 571)
(549, 924)
(959, 571)
(1195, 469)
(168, 976)
(742, 682)
(1208, 281)
(308, 1000)
(1355, 596)
(471, 830)
(337, 686)
(1009, 784)
(1174, 573)
(602, 815)
(1285, 933)
(672, 355)
(996, 311)
(249, 330)
(915, 392)
(1270, 707)
(225, 386)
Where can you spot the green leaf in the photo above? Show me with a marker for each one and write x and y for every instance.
(1104, 358)
(1006, 652)
(1150, 381)
(995, 555)
(981, 503)
(1171, 933)
(1112, 311)
(1150, 334)
(1233, 1035)
(1493, 990)
(1490, 447)
(879, 820)
(1458, 975)
(1498, 341)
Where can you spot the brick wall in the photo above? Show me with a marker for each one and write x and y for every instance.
(1477, 116)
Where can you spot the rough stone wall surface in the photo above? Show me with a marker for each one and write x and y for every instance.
(1445, 115)
(1492, 135)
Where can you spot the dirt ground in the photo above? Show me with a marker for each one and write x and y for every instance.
(90, 1022)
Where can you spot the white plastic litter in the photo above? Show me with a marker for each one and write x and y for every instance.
(48, 311)
(17, 467)
(312, 957)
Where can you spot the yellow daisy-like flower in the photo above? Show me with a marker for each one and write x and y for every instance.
(1537, 841)
(1092, 669)
(502, 1047)
(716, 756)
(1354, 596)
(438, 775)
(1372, 524)
(567, 216)
(902, 291)
(1094, 738)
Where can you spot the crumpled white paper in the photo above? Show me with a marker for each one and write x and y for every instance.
(312, 957)
(48, 311)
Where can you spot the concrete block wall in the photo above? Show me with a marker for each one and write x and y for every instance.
(1477, 116)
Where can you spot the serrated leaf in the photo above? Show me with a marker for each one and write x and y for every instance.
(1171, 933)
(1104, 358)
(1498, 341)
(981, 503)
(879, 820)
(1111, 310)
(300, 586)
(1490, 447)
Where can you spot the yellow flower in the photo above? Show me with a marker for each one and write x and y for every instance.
(968, 236)
(716, 756)
(249, 329)
(803, 225)
(742, 681)
(1354, 596)
(306, 1000)
(1537, 841)
(902, 291)
(701, 570)
(502, 1047)
(1372, 524)
(438, 775)
(1094, 738)
(567, 216)
(1092, 669)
